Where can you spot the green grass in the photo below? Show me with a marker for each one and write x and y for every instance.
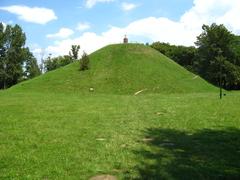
(52, 127)
(121, 69)
(56, 136)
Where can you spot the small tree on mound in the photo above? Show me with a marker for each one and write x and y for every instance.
(74, 51)
(84, 62)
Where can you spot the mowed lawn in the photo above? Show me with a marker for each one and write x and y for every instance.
(154, 136)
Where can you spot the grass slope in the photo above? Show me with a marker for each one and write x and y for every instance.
(121, 69)
(181, 131)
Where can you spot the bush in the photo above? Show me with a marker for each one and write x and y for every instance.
(84, 62)
(57, 62)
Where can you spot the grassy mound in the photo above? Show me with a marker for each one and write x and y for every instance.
(158, 135)
(121, 69)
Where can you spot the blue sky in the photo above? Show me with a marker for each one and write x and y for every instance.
(53, 25)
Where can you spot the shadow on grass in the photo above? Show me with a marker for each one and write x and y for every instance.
(205, 154)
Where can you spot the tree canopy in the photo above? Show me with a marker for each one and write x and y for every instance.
(57, 62)
(16, 61)
(216, 56)
(181, 54)
(60, 61)
(218, 49)
(31, 67)
(84, 62)
(74, 51)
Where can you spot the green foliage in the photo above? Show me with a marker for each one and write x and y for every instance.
(12, 55)
(231, 74)
(84, 62)
(31, 67)
(74, 51)
(236, 50)
(121, 69)
(216, 41)
(57, 62)
(60, 61)
(185, 56)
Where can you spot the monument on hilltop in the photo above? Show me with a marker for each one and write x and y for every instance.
(125, 40)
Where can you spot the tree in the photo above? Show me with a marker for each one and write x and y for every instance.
(31, 67)
(57, 62)
(2, 58)
(65, 60)
(74, 51)
(236, 50)
(84, 62)
(220, 60)
(12, 54)
(185, 56)
(49, 64)
(214, 44)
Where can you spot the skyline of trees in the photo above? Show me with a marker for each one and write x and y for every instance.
(215, 56)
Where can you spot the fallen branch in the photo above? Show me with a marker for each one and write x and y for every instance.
(139, 92)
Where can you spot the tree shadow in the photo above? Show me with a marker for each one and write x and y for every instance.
(205, 154)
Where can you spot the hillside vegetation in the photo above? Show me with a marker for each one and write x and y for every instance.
(53, 127)
(120, 69)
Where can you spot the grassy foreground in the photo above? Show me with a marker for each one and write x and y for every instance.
(52, 127)
(70, 136)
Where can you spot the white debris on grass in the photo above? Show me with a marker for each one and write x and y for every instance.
(139, 92)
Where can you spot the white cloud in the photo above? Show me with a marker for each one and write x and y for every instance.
(31, 14)
(88, 42)
(37, 51)
(207, 12)
(83, 26)
(62, 33)
(91, 3)
(38, 54)
(182, 32)
(128, 6)
(151, 28)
